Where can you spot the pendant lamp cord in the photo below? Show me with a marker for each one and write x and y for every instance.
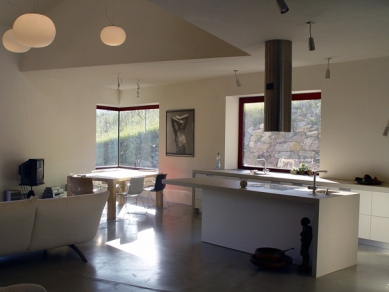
(106, 14)
(16, 6)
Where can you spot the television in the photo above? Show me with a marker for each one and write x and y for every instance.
(32, 172)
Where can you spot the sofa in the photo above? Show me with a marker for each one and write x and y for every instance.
(41, 224)
(23, 288)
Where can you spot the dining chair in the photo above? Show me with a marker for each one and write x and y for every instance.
(157, 187)
(135, 188)
(81, 185)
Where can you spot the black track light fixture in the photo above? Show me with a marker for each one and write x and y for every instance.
(282, 6)
(311, 42)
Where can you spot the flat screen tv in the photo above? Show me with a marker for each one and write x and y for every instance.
(32, 172)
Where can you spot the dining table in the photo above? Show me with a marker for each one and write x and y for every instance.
(113, 177)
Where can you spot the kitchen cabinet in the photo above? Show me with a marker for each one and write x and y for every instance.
(364, 226)
(380, 204)
(365, 202)
(379, 229)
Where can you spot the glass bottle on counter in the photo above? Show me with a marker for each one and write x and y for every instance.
(218, 161)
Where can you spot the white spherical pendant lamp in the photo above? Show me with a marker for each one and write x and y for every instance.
(113, 35)
(11, 44)
(34, 30)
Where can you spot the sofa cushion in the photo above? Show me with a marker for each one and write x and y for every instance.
(17, 220)
(68, 220)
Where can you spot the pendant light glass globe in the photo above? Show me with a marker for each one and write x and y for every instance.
(113, 35)
(34, 30)
(11, 44)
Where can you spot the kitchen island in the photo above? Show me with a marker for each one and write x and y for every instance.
(269, 215)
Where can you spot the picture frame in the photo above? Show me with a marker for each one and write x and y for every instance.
(180, 126)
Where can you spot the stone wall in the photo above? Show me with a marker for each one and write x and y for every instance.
(285, 149)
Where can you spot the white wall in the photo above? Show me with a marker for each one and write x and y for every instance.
(355, 111)
(42, 117)
(55, 119)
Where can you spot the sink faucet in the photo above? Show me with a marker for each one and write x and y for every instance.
(314, 181)
(265, 170)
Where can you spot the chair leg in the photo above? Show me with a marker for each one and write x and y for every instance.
(151, 198)
(141, 201)
(126, 204)
(167, 203)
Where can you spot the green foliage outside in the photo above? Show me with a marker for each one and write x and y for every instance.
(309, 110)
(139, 138)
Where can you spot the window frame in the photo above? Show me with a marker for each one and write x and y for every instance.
(123, 109)
(261, 98)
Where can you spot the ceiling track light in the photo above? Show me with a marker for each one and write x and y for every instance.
(328, 73)
(112, 35)
(137, 92)
(311, 42)
(119, 80)
(282, 6)
(386, 131)
(237, 79)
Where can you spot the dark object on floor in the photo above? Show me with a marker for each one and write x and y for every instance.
(270, 254)
(283, 263)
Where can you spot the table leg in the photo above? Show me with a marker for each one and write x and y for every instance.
(159, 200)
(111, 211)
(193, 200)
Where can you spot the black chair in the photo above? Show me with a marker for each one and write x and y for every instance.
(157, 187)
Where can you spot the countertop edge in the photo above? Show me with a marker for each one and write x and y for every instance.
(233, 186)
(290, 178)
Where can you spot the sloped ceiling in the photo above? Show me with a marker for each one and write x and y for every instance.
(153, 35)
(173, 40)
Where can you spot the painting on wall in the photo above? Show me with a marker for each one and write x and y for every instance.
(180, 132)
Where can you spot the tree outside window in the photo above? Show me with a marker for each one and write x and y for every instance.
(127, 137)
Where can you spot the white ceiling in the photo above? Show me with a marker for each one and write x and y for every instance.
(345, 30)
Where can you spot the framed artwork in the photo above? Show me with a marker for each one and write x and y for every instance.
(180, 133)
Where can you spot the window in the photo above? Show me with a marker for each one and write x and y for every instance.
(281, 150)
(127, 137)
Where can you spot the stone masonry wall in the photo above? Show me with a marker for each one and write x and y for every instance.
(285, 149)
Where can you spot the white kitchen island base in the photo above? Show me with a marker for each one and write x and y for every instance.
(245, 219)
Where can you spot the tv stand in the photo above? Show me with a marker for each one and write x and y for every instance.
(30, 193)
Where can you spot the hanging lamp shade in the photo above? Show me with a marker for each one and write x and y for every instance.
(11, 44)
(113, 35)
(34, 30)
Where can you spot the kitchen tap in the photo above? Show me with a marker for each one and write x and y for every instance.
(314, 181)
(265, 170)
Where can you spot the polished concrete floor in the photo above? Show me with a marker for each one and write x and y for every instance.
(164, 252)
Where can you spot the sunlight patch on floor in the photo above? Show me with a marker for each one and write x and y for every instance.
(143, 247)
